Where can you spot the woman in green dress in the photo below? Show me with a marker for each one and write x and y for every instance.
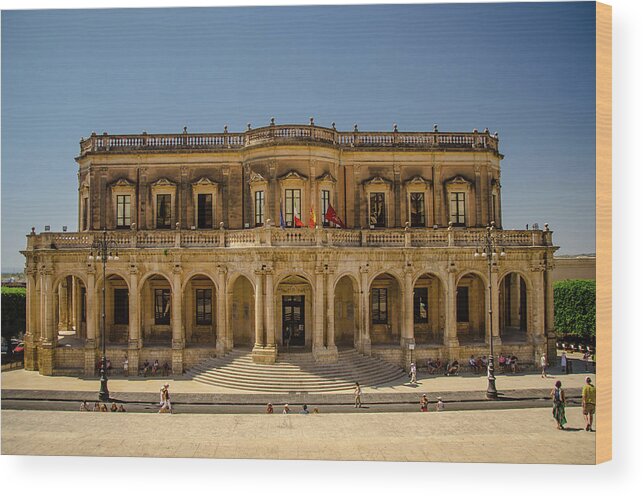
(558, 395)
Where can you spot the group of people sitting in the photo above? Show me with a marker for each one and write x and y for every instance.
(438, 367)
(286, 409)
(508, 363)
(101, 407)
(155, 368)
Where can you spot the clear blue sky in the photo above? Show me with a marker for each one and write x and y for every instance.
(524, 70)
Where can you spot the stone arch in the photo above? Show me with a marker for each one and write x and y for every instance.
(429, 308)
(116, 308)
(393, 273)
(346, 307)
(240, 311)
(471, 307)
(295, 273)
(294, 300)
(155, 302)
(199, 294)
(69, 299)
(515, 296)
(198, 272)
(385, 308)
(154, 273)
(347, 273)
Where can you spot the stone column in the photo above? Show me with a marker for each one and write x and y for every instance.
(451, 331)
(134, 342)
(365, 314)
(178, 343)
(259, 309)
(495, 305)
(90, 321)
(318, 312)
(73, 317)
(478, 193)
(408, 335)
(222, 343)
(270, 310)
(62, 305)
(48, 342)
(31, 334)
(330, 312)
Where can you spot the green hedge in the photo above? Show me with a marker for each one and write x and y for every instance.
(575, 308)
(14, 312)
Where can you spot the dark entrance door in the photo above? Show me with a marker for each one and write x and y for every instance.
(293, 321)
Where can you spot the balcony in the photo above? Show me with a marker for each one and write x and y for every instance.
(287, 134)
(291, 238)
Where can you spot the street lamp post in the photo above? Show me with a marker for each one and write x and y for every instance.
(102, 247)
(488, 250)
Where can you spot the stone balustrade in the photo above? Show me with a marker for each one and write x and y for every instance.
(107, 143)
(274, 236)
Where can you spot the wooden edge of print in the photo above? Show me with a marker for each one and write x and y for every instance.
(603, 232)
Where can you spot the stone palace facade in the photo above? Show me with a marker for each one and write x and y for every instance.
(207, 255)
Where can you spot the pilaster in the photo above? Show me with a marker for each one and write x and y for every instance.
(178, 343)
(451, 325)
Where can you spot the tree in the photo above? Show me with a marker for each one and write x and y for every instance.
(14, 312)
(575, 308)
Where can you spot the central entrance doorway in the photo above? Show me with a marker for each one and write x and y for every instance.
(294, 329)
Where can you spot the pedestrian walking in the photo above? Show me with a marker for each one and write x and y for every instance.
(84, 407)
(413, 373)
(440, 405)
(96, 407)
(304, 410)
(586, 357)
(358, 396)
(424, 403)
(543, 365)
(126, 367)
(588, 403)
(114, 408)
(269, 408)
(563, 363)
(558, 411)
(286, 408)
(121, 408)
(166, 404)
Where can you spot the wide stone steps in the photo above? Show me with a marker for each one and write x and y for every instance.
(294, 372)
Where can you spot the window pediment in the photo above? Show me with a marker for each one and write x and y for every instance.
(122, 183)
(205, 181)
(163, 183)
(458, 181)
(293, 175)
(418, 183)
(327, 177)
(257, 179)
(376, 182)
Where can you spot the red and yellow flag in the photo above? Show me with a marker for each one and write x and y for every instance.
(312, 220)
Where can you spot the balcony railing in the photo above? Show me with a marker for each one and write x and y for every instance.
(272, 134)
(304, 237)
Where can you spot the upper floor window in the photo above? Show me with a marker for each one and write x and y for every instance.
(457, 209)
(203, 306)
(418, 215)
(462, 304)
(123, 209)
(162, 306)
(377, 217)
(379, 306)
(259, 207)
(293, 206)
(121, 306)
(204, 211)
(421, 305)
(325, 203)
(163, 211)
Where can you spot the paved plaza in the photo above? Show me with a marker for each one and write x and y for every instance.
(511, 436)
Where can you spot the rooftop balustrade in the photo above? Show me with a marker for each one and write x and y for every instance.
(291, 238)
(275, 134)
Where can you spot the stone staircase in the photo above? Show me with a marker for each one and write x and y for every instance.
(294, 372)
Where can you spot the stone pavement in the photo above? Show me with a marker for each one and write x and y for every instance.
(499, 436)
(26, 380)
